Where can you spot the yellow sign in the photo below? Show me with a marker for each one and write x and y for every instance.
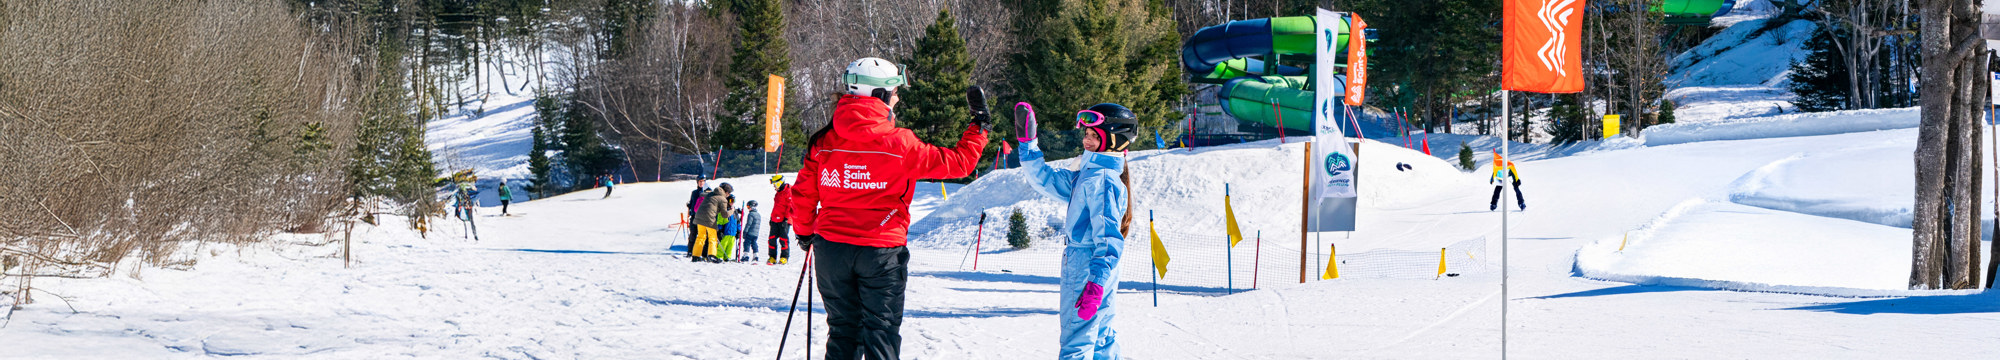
(1610, 126)
(774, 109)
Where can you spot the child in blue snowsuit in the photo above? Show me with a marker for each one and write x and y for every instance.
(1099, 213)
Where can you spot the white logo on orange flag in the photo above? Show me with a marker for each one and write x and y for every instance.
(1538, 51)
(1357, 61)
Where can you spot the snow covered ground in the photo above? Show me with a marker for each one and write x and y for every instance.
(1740, 233)
(580, 276)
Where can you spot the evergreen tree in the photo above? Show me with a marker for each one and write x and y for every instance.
(1017, 230)
(1666, 115)
(1566, 119)
(760, 50)
(584, 154)
(538, 164)
(940, 70)
(1465, 156)
(1820, 81)
(1076, 53)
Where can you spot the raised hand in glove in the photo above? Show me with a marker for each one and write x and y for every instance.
(1024, 115)
(975, 98)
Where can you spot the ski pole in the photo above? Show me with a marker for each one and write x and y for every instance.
(976, 237)
(795, 307)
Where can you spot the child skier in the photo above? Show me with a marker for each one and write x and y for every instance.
(715, 207)
(780, 224)
(506, 196)
(1099, 216)
(732, 226)
(1500, 180)
(749, 238)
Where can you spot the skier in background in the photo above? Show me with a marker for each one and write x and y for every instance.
(1500, 181)
(1100, 214)
(712, 207)
(606, 179)
(749, 236)
(780, 224)
(506, 196)
(852, 202)
(694, 203)
(732, 227)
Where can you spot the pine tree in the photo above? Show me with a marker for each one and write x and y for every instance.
(538, 164)
(1081, 52)
(1666, 115)
(760, 50)
(940, 70)
(1820, 81)
(1465, 156)
(1566, 118)
(584, 153)
(1017, 230)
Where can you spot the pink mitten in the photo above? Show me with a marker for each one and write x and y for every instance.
(1086, 305)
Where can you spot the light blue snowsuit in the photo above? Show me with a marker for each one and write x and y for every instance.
(1097, 201)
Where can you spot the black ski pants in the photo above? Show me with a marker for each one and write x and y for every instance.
(863, 289)
(1519, 200)
(780, 241)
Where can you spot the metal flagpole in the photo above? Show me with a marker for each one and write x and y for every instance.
(1506, 115)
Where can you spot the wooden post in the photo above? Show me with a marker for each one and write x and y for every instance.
(1305, 205)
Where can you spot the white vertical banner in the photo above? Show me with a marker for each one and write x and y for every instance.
(1334, 197)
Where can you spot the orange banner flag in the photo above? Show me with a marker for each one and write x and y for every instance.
(1540, 44)
(774, 108)
(1357, 62)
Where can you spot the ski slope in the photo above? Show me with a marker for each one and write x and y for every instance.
(582, 276)
(1743, 232)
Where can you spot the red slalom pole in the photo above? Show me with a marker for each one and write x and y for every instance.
(976, 238)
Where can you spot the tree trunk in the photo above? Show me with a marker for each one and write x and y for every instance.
(1933, 131)
(1962, 264)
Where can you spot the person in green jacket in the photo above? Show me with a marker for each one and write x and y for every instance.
(506, 196)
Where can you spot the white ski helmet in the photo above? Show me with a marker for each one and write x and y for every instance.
(865, 75)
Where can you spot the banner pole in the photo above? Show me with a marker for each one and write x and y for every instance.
(1305, 194)
(1506, 116)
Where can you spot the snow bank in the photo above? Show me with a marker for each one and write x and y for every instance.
(1808, 124)
(1183, 189)
(1721, 245)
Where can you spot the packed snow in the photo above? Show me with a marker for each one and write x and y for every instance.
(1743, 232)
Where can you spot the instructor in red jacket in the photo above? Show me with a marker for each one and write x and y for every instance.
(851, 206)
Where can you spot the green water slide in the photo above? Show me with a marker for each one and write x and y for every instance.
(1694, 12)
(1237, 55)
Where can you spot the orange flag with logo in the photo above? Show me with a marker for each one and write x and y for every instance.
(1357, 62)
(1540, 46)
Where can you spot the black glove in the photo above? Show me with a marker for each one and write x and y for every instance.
(806, 242)
(975, 98)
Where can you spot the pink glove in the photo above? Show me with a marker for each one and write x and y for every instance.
(1086, 305)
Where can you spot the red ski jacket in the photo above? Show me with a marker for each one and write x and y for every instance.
(858, 179)
(781, 204)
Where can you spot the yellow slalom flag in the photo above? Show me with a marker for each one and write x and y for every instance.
(1440, 263)
(1159, 251)
(1229, 213)
(1332, 267)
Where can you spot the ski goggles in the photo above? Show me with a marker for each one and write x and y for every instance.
(884, 82)
(1088, 118)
